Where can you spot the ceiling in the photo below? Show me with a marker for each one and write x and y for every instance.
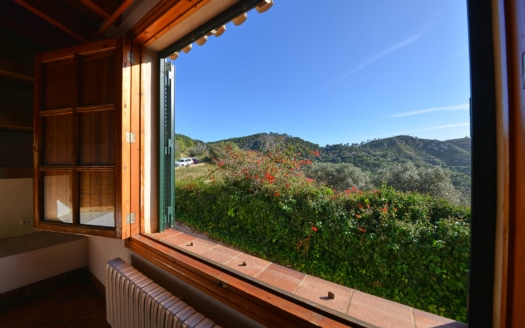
(54, 24)
(28, 27)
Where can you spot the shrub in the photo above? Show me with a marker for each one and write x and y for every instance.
(407, 247)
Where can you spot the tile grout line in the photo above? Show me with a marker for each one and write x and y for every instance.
(412, 317)
(166, 236)
(232, 259)
(207, 250)
(262, 270)
(350, 301)
(299, 284)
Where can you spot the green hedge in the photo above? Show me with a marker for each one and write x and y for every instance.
(405, 247)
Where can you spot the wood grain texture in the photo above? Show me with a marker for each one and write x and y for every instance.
(161, 18)
(268, 308)
(515, 25)
(82, 98)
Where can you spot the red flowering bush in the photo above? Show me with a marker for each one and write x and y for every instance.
(277, 172)
(406, 247)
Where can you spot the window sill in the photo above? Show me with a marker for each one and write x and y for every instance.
(269, 293)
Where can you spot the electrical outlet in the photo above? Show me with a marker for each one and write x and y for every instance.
(26, 222)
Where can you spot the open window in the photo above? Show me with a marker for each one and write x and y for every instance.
(82, 140)
(59, 176)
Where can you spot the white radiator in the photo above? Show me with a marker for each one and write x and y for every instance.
(134, 300)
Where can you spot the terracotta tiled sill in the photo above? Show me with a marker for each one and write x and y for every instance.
(364, 307)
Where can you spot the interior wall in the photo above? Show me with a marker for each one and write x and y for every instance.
(16, 207)
(100, 251)
(29, 267)
(16, 138)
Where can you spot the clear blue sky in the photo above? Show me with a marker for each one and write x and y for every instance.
(330, 72)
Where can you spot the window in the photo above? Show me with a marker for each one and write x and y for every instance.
(492, 299)
(490, 296)
(82, 170)
(206, 83)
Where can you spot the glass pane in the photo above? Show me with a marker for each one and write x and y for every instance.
(57, 197)
(97, 198)
(97, 79)
(57, 140)
(58, 84)
(96, 138)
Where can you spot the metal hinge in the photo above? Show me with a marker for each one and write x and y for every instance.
(131, 57)
(130, 218)
(130, 137)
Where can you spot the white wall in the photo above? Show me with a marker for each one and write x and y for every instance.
(16, 204)
(100, 251)
(30, 267)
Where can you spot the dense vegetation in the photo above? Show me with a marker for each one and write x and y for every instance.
(445, 165)
(403, 246)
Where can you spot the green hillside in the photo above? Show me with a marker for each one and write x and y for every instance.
(454, 156)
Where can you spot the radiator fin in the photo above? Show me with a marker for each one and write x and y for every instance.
(134, 300)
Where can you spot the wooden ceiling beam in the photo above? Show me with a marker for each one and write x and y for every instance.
(93, 6)
(50, 20)
(116, 14)
(161, 18)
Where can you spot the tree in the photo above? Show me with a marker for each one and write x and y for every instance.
(339, 176)
(406, 177)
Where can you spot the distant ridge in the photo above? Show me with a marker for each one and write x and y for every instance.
(453, 155)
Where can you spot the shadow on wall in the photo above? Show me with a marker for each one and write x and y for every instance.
(16, 207)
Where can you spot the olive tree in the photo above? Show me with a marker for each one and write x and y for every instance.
(339, 176)
(434, 181)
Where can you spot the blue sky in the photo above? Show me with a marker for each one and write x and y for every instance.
(330, 72)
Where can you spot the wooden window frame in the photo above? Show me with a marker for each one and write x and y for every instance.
(498, 231)
(495, 206)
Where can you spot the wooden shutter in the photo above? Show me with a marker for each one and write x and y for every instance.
(167, 148)
(82, 140)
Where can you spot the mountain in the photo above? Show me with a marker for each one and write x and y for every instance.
(461, 143)
(382, 153)
(452, 155)
(270, 141)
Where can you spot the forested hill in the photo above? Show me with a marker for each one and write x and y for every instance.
(452, 155)
(382, 153)
(270, 141)
(372, 155)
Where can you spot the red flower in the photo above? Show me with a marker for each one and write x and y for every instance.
(360, 205)
(358, 216)
(314, 228)
(276, 194)
(315, 153)
(363, 230)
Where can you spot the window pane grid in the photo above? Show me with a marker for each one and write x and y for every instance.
(76, 146)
